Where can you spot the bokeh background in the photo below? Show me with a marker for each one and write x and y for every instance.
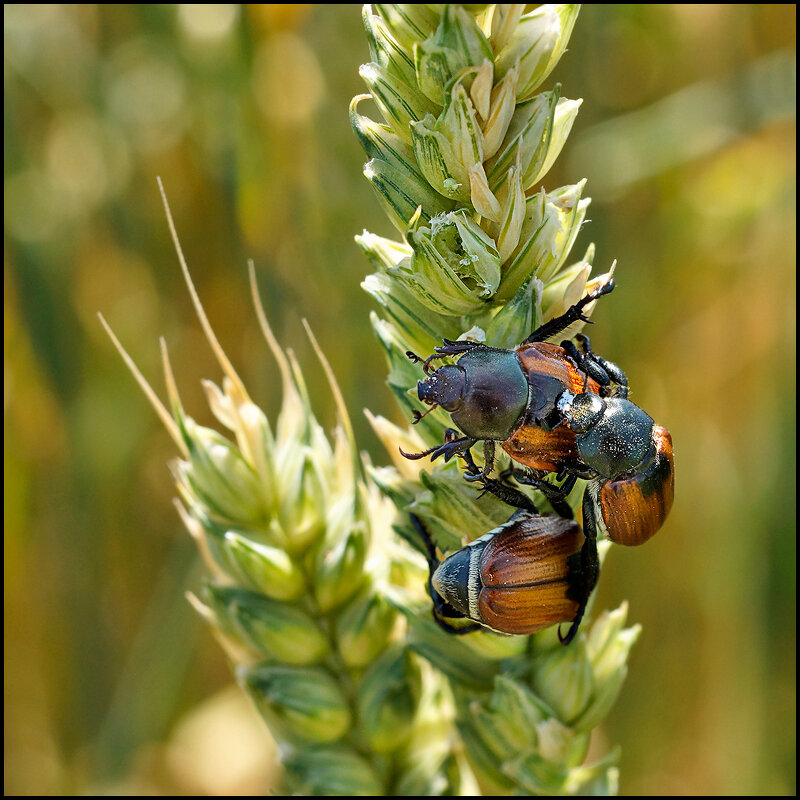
(687, 137)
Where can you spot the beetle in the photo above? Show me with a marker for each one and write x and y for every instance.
(560, 410)
(510, 396)
(630, 466)
(523, 576)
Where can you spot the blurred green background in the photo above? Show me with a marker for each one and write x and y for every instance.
(687, 137)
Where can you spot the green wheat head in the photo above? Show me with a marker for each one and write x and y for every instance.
(317, 582)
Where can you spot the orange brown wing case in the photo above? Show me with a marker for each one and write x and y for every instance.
(634, 508)
(525, 576)
(537, 448)
(551, 359)
(531, 445)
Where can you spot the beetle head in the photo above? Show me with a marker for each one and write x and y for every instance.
(445, 388)
(585, 410)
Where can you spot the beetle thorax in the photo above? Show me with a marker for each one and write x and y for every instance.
(495, 394)
(614, 436)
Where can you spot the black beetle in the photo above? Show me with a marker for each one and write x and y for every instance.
(630, 466)
(562, 410)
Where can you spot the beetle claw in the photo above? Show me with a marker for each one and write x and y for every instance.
(418, 415)
(445, 451)
(573, 629)
(472, 477)
(415, 456)
(449, 448)
(573, 314)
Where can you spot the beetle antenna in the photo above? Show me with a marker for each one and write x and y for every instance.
(426, 362)
(426, 365)
(418, 416)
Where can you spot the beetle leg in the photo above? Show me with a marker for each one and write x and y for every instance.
(589, 518)
(584, 570)
(473, 473)
(572, 314)
(576, 470)
(535, 478)
(454, 448)
(472, 467)
(568, 485)
(451, 434)
(449, 348)
(586, 345)
(502, 491)
(417, 456)
(584, 567)
(572, 353)
(556, 495)
(587, 363)
(448, 449)
(442, 621)
(509, 495)
(594, 370)
(433, 560)
(617, 376)
(614, 373)
(454, 348)
(488, 456)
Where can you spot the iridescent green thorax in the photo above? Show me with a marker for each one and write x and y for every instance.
(619, 440)
(496, 394)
